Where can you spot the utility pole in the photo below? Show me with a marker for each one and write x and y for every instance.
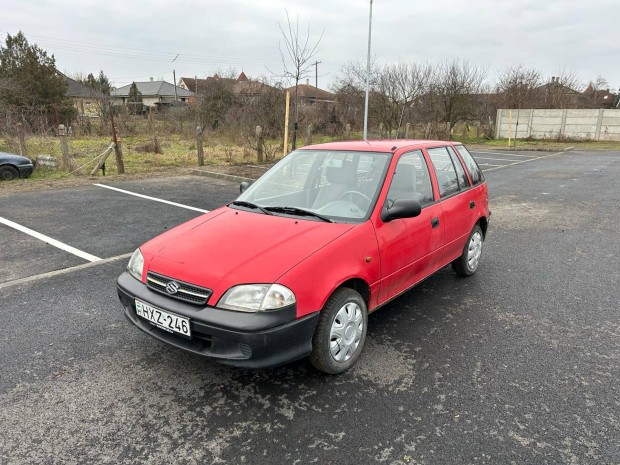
(367, 75)
(316, 79)
(174, 76)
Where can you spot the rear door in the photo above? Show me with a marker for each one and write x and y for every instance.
(456, 198)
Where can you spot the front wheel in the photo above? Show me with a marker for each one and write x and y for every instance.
(340, 332)
(468, 262)
(8, 173)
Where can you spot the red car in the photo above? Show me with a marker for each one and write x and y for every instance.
(293, 266)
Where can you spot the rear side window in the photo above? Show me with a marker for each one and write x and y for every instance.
(462, 177)
(411, 179)
(474, 170)
(444, 170)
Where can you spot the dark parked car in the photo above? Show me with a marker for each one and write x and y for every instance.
(14, 166)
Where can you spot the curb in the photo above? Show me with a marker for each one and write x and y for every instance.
(216, 175)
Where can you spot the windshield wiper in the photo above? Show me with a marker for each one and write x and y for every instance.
(298, 212)
(243, 203)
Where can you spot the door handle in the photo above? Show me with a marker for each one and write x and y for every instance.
(472, 204)
(435, 222)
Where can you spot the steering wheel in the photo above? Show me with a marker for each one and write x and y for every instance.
(358, 193)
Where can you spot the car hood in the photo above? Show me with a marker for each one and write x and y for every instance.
(14, 158)
(228, 247)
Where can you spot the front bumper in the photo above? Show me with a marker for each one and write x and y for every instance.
(25, 170)
(249, 340)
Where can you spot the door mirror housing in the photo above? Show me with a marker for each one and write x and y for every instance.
(400, 208)
(243, 186)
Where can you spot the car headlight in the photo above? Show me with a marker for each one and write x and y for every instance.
(257, 298)
(136, 265)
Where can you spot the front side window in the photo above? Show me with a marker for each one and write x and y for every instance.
(411, 179)
(338, 185)
(474, 170)
(444, 170)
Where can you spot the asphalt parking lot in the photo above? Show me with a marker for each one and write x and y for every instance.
(517, 364)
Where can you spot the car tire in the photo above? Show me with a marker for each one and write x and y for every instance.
(7, 173)
(341, 332)
(469, 261)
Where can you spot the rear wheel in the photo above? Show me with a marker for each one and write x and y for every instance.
(340, 333)
(8, 172)
(468, 262)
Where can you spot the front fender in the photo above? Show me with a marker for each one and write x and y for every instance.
(355, 254)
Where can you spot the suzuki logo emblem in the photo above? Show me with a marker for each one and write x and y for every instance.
(172, 287)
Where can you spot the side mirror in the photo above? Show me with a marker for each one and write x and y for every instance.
(243, 186)
(401, 208)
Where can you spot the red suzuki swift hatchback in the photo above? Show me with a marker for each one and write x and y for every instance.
(293, 266)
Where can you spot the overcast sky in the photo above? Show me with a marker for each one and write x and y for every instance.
(134, 40)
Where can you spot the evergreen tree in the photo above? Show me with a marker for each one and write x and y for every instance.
(134, 100)
(135, 96)
(30, 80)
(101, 83)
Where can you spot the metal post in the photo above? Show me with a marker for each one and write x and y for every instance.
(174, 76)
(367, 75)
(288, 98)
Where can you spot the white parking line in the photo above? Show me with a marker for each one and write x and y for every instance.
(487, 164)
(496, 159)
(508, 154)
(155, 199)
(51, 274)
(524, 161)
(50, 241)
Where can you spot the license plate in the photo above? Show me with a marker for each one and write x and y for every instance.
(162, 319)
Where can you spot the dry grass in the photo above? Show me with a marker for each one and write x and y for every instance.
(138, 153)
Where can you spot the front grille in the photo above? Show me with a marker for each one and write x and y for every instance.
(186, 292)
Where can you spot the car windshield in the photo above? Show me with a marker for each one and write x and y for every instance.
(321, 185)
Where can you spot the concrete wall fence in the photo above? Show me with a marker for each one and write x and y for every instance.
(603, 124)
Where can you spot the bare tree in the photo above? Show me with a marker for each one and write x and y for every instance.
(596, 90)
(299, 50)
(453, 92)
(407, 82)
(350, 90)
(517, 87)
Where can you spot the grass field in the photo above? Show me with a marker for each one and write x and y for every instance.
(180, 152)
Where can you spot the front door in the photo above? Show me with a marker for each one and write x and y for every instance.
(410, 248)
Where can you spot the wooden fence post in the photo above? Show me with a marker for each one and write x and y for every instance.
(407, 128)
(380, 130)
(102, 158)
(260, 142)
(348, 131)
(22, 140)
(201, 154)
(120, 164)
(64, 147)
(309, 135)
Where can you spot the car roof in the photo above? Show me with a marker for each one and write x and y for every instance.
(382, 145)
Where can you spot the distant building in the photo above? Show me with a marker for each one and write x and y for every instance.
(86, 100)
(311, 94)
(602, 98)
(240, 87)
(154, 94)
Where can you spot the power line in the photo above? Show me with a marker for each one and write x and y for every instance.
(140, 54)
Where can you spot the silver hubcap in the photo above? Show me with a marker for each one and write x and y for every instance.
(474, 251)
(346, 332)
